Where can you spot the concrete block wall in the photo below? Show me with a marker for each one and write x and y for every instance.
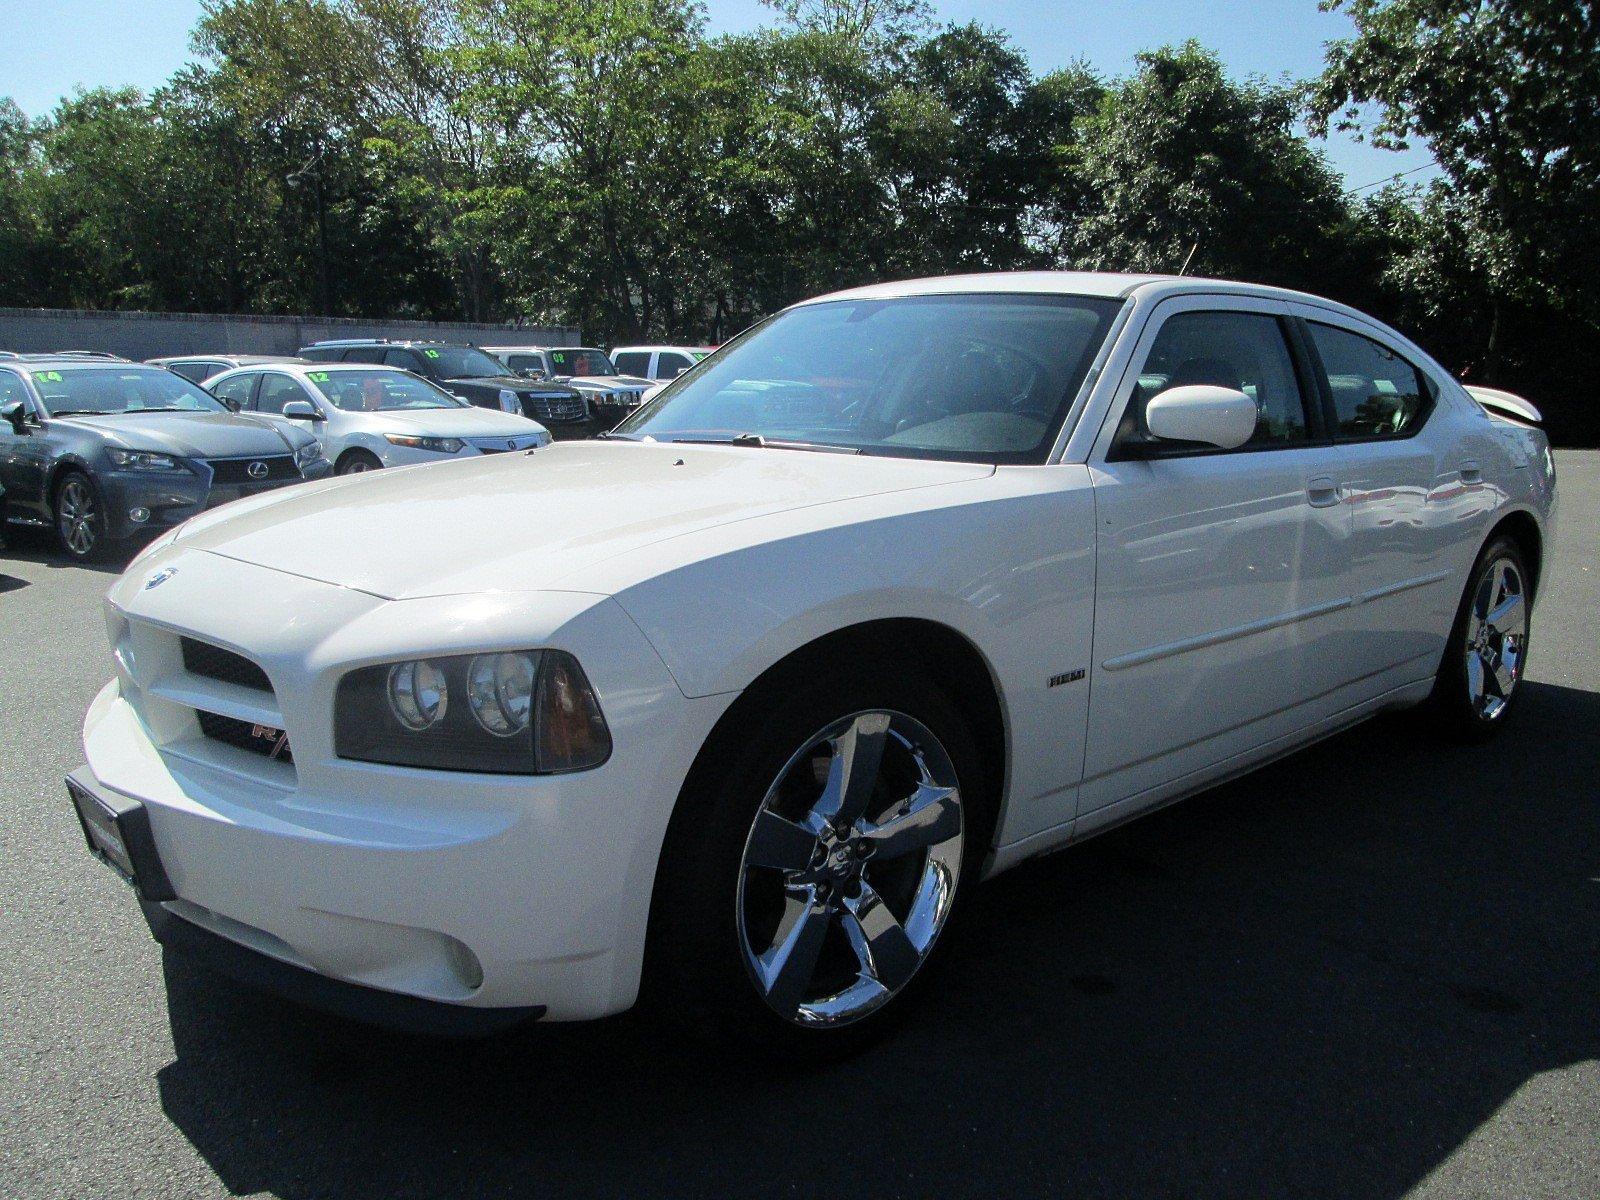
(141, 335)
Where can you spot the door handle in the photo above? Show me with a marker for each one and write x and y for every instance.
(1323, 492)
(1470, 472)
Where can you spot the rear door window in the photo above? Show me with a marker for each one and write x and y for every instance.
(1376, 393)
(237, 388)
(669, 366)
(365, 354)
(195, 370)
(633, 362)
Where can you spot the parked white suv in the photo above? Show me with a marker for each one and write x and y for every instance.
(657, 362)
(370, 416)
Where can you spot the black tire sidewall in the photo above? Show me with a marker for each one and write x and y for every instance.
(374, 463)
(1452, 711)
(101, 538)
(695, 968)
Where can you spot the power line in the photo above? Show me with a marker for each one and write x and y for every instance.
(1391, 178)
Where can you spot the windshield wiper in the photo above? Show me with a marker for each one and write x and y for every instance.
(759, 442)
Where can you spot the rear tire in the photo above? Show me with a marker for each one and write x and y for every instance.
(1480, 679)
(784, 917)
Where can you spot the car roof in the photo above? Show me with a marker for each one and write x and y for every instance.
(299, 366)
(238, 360)
(73, 363)
(655, 348)
(340, 343)
(1108, 284)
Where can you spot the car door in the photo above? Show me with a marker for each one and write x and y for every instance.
(1411, 495)
(24, 457)
(1220, 574)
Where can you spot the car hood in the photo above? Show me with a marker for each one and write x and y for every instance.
(525, 522)
(454, 422)
(190, 435)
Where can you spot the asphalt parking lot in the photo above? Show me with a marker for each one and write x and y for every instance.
(1372, 969)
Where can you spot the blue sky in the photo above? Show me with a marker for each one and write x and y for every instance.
(53, 46)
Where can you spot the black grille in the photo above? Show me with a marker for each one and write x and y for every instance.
(213, 662)
(556, 406)
(258, 739)
(237, 470)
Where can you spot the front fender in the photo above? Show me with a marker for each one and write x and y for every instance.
(1007, 563)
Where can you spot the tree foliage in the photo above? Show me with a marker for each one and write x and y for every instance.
(609, 163)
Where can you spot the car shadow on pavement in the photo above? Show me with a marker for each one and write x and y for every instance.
(1317, 980)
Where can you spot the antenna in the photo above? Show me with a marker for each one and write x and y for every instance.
(1184, 270)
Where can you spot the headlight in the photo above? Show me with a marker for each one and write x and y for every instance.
(437, 445)
(144, 460)
(308, 454)
(526, 712)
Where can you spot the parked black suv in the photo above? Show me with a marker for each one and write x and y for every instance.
(476, 377)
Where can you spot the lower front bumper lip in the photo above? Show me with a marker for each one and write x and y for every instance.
(353, 1001)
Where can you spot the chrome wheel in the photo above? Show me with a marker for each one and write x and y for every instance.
(1497, 636)
(850, 868)
(77, 517)
(356, 464)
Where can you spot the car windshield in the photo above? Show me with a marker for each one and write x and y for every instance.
(969, 377)
(460, 362)
(576, 361)
(379, 391)
(113, 390)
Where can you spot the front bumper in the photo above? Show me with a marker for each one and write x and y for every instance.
(172, 499)
(477, 891)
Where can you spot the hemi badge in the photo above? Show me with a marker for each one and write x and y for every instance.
(1069, 677)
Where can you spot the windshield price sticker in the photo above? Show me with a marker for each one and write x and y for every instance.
(47, 376)
(317, 376)
(431, 353)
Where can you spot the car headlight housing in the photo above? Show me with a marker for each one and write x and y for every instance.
(509, 401)
(521, 712)
(143, 460)
(305, 455)
(436, 445)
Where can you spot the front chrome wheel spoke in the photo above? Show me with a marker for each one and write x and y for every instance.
(1507, 613)
(786, 969)
(853, 769)
(931, 816)
(1503, 674)
(880, 942)
(779, 843)
(1477, 682)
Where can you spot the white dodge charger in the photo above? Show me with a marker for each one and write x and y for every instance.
(733, 708)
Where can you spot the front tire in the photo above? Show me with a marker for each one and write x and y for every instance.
(813, 867)
(356, 462)
(79, 517)
(1479, 681)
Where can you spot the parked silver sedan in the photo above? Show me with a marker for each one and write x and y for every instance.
(370, 416)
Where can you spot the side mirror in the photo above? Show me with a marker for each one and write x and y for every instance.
(229, 404)
(17, 415)
(301, 410)
(1202, 412)
(531, 373)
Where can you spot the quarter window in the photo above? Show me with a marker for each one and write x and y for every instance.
(276, 391)
(1242, 351)
(1376, 393)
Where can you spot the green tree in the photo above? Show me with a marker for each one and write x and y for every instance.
(1503, 93)
(1181, 166)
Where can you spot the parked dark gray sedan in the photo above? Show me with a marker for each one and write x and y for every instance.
(100, 451)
